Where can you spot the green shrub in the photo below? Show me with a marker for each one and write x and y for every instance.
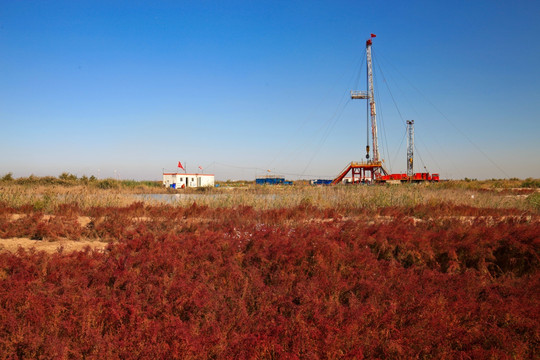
(107, 184)
(534, 200)
(67, 177)
(531, 183)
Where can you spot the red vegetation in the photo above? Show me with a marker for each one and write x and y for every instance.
(304, 282)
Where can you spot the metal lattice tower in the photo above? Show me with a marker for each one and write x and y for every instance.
(410, 147)
(374, 167)
(370, 95)
(372, 103)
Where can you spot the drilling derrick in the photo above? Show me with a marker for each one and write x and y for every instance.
(373, 112)
(410, 148)
(372, 169)
(374, 165)
(370, 96)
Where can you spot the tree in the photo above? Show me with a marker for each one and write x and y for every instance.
(8, 177)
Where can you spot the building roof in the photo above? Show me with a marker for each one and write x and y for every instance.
(188, 174)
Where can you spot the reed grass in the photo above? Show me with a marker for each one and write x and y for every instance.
(48, 197)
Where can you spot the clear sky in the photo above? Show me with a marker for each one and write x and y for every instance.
(127, 88)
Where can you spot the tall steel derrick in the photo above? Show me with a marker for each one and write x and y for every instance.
(375, 162)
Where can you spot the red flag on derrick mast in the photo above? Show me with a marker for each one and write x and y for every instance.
(373, 35)
(180, 166)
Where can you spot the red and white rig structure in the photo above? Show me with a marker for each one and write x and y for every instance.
(372, 169)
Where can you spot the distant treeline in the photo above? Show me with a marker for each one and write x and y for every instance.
(67, 179)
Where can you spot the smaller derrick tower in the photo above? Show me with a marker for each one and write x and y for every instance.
(410, 148)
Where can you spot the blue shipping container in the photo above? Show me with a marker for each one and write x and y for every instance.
(322, 182)
(270, 181)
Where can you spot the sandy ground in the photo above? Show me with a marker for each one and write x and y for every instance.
(83, 220)
(13, 244)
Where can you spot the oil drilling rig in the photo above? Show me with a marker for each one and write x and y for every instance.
(372, 169)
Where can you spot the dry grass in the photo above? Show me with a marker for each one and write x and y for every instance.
(269, 197)
(47, 198)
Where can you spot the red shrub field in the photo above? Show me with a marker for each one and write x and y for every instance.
(201, 282)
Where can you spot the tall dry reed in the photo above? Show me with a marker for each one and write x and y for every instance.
(267, 197)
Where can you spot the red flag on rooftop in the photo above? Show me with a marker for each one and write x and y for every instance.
(373, 35)
(180, 166)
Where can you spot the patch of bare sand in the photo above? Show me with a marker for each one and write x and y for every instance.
(12, 244)
(83, 220)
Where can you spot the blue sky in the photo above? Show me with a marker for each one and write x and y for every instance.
(127, 88)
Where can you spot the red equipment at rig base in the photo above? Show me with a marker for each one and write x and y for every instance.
(417, 177)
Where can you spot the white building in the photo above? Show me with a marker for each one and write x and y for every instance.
(181, 180)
